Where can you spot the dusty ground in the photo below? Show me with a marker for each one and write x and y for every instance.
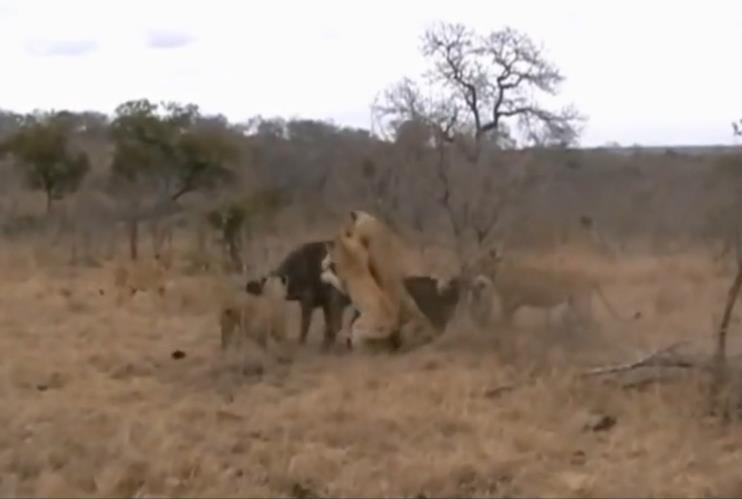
(94, 404)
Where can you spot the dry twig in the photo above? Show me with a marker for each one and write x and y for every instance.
(658, 358)
(662, 358)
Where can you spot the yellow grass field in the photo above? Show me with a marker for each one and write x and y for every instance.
(94, 404)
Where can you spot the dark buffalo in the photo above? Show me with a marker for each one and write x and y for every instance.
(438, 306)
(302, 268)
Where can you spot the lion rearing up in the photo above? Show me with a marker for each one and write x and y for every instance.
(379, 314)
(370, 263)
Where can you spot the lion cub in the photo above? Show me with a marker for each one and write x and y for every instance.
(132, 277)
(256, 317)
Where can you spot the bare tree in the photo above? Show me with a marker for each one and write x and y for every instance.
(479, 84)
(476, 197)
(478, 91)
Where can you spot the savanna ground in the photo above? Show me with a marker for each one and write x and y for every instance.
(95, 404)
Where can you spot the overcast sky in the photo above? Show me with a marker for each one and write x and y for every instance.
(647, 72)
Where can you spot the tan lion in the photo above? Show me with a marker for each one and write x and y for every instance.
(519, 285)
(437, 298)
(381, 263)
(378, 319)
(256, 318)
(132, 277)
(390, 259)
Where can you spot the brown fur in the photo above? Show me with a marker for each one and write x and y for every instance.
(519, 285)
(132, 277)
(388, 257)
(384, 255)
(257, 318)
(379, 314)
(436, 298)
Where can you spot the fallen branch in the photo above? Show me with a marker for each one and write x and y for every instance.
(662, 358)
(644, 383)
(501, 390)
(658, 358)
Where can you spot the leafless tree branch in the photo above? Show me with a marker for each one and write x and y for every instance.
(490, 79)
(475, 89)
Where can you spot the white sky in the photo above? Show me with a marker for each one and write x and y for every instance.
(646, 72)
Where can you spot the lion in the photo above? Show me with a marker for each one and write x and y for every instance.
(132, 277)
(256, 317)
(481, 300)
(388, 256)
(379, 257)
(519, 285)
(378, 314)
(436, 298)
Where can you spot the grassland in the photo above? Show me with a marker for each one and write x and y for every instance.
(94, 404)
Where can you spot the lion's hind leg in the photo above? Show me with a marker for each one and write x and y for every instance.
(232, 327)
(280, 349)
(372, 336)
(580, 311)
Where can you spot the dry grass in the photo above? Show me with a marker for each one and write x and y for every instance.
(95, 405)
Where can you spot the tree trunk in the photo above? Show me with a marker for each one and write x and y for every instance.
(201, 240)
(88, 251)
(720, 372)
(168, 240)
(235, 253)
(113, 234)
(49, 201)
(134, 238)
(157, 239)
(74, 257)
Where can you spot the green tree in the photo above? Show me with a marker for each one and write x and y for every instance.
(232, 217)
(163, 152)
(41, 145)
